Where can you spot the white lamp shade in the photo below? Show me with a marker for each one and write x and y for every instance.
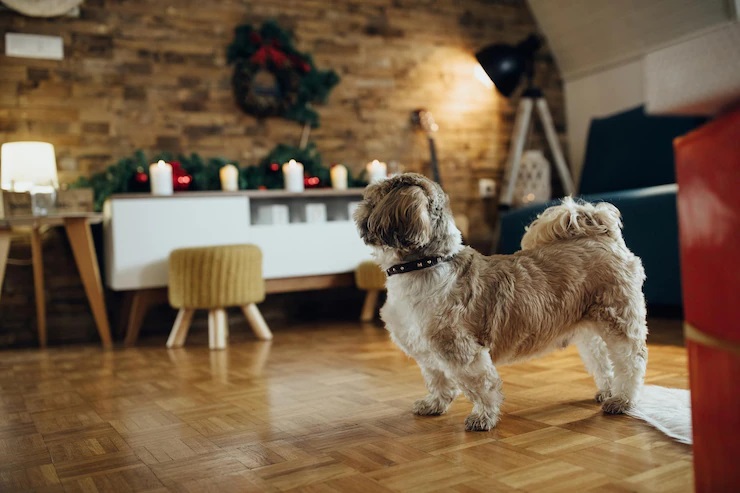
(26, 164)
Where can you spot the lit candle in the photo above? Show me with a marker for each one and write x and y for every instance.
(229, 175)
(293, 176)
(376, 171)
(161, 178)
(339, 177)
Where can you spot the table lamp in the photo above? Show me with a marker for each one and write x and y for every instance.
(506, 64)
(30, 167)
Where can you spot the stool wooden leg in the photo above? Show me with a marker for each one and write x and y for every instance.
(180, 328)
(217, 328)
(368, 308)
(258, 324)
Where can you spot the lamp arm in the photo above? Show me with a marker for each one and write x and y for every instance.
(528, 48)
(529, 74)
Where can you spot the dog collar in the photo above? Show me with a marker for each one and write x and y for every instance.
(422, 263)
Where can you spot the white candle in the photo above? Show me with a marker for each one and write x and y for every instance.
(160, 177)
(339, 177)
(293, 176)
(376, 171)
(229, 175)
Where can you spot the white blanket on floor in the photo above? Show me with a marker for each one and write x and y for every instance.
(669, 410)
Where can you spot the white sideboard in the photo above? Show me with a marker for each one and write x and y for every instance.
(141, 230)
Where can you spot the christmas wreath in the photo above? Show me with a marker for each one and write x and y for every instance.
(272, 78)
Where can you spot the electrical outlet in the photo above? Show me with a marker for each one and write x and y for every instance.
(486, 188)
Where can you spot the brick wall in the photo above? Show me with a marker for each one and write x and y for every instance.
(153, 75)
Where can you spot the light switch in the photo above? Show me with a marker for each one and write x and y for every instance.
(34, 46)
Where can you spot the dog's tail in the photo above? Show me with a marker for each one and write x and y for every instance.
(573, 219)
(669, 410)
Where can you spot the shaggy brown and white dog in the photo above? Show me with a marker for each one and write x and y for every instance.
(458, 313)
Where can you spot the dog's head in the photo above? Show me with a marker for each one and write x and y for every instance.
(408, 213)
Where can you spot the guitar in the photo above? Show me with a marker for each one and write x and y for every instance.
(423, 120)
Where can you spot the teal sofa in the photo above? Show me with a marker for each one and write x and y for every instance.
(629, 163)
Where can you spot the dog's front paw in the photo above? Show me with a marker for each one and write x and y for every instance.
(615, 405)
(480, 422)
(429, 406)
(602, 395)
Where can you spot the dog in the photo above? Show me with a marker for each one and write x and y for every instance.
(459, 313)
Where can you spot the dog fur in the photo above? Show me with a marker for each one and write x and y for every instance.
(574, 280)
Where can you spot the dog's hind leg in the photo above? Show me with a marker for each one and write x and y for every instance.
(629, 357)
(620, 319)
(625, 341)
(596, 359)
(442, 391)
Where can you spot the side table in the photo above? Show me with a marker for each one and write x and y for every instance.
(78, 231)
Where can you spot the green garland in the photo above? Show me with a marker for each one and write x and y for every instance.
(121, 177)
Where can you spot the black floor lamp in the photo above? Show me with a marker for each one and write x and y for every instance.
(506, 65)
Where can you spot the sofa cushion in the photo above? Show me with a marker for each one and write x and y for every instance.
(650, 231)
(631, 150)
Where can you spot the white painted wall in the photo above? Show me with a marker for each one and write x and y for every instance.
(599, 94)
(699, 76)
(600, 47)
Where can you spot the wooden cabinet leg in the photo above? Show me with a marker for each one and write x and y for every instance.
(258, 324)
(80, 238)
(138, 306)
(180, 328)
(38, 284)
(137, 311)
(4, 249)
(368, 308)
(217, 328)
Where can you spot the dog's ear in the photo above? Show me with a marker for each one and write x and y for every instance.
(370, 197)
(400, 219)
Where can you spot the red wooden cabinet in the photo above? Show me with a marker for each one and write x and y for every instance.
(708, 175)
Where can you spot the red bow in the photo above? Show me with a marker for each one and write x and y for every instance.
(269, 53)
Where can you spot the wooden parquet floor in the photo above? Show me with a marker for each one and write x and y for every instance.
(320, 408)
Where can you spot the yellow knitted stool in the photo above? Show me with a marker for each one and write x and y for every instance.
(369, 277)
(212, 278)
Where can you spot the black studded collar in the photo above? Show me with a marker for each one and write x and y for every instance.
(422, 263)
